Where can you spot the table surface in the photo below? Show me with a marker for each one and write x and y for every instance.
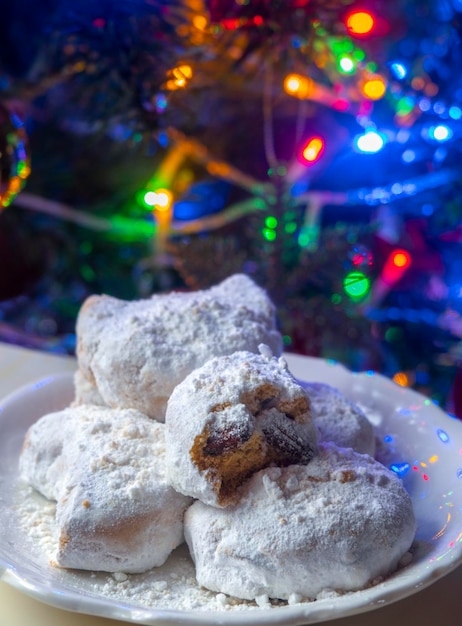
(440, 601)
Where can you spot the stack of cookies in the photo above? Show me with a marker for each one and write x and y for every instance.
(187, 424)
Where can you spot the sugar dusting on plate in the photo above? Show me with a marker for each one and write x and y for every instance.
(172, 586)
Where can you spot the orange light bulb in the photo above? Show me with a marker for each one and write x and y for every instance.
(401, 378)
(401, 259)
(298, 85)
(312, 150)
(360, 22)
(374, 88)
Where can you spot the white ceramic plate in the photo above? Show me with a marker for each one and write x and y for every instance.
(421, 442)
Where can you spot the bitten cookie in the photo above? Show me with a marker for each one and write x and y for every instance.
(338, 419)
(106, 470)
(232, 417)
(338, 523)
(134, 353)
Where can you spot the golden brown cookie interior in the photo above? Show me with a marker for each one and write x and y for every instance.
(273, 435)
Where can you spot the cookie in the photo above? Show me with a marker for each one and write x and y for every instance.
(135, 353)
(338, 523)
(85, 392)
(230, 418)
(338, 419)
(105, 468)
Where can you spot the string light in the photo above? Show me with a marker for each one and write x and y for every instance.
(269, 231)
(200, 22)
(360, 23)
(183, 71)
(179, 77)
(440, 133)
(401, 378)
(401, 258)
(408, 156)
(298, 85)
(374, 88)
(269, 234)
(271, 222)
(346, 65)
(312, 150)
(455, 112)
(396, 265)
(406, 111)
(149, 198)
(240, 22)
(161, 199)
(356, 285)
(399, 70)
(370, 142)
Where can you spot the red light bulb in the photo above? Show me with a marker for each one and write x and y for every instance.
(396, 266)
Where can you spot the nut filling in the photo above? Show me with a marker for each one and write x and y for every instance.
(244, 438)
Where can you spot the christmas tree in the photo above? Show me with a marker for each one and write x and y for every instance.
(312, 144)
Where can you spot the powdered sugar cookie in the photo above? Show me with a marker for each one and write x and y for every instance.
(337, 523)
(41, 463)
(338, 419)
(136, 352)
(231, 417)
(106, 470)
(86, 391)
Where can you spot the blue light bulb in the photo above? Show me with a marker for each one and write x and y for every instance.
(399, 70)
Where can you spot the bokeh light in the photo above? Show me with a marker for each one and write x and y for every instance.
(374, 88)
(440, 133)
(312, 150)
(161, 199)
(298, 85)
(346, 65)
(360, 22)
(356, 285)
(401, 378)
(399, 70)
(396, 265)
(369, 142)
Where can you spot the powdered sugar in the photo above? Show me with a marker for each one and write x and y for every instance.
(138, 356)
(172, 586)
(339, 522)
(340, 420)
(115, 510)
(134, 353)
